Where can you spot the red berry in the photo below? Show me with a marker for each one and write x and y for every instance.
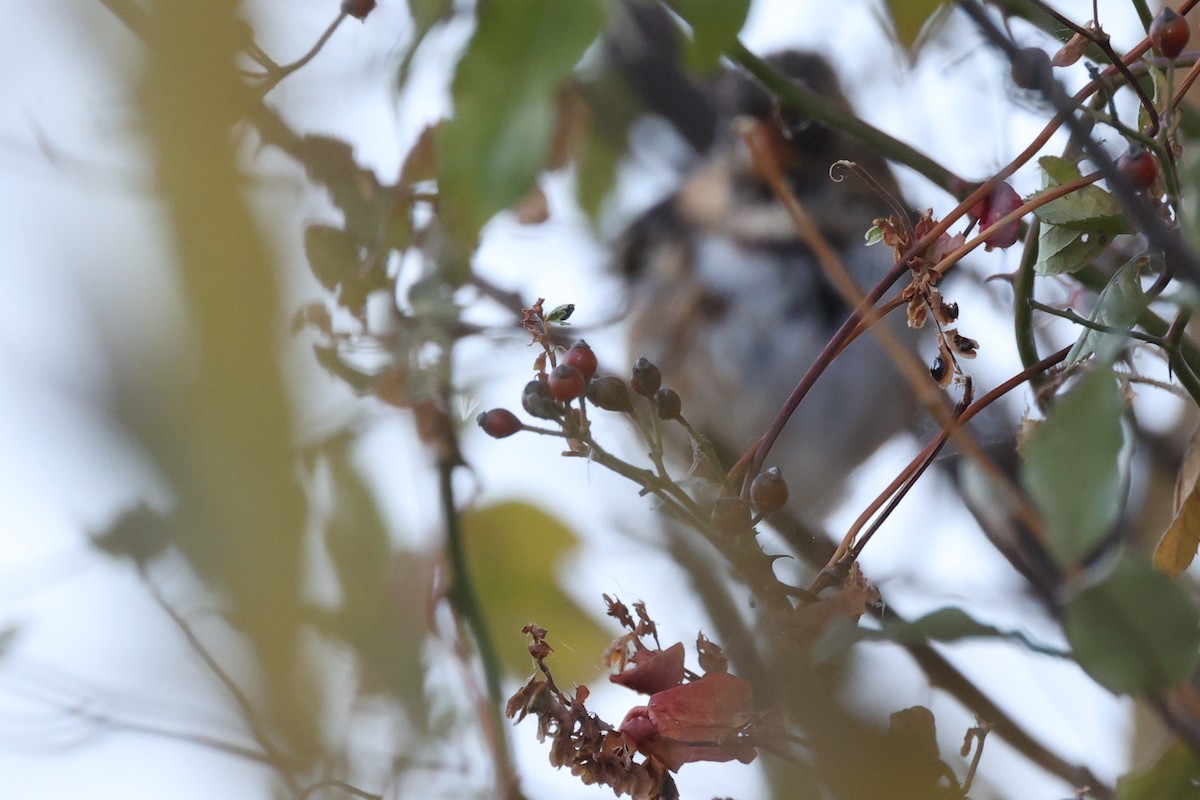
(581, 357)
(1170, 33)
(566, 383)
(1002, 201)
(769, 491)
(499, 423)
(1139, 166)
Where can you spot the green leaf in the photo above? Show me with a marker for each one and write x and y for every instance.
(561, 313)
(874, 235)
(715, 26)
(942, 625)
(1089, 208)
(504, 90)
(1063, 250)
(1176, 776)
(1119, 306)
(596, 167)
(1135, 631)
(514, 552)
(1072, 467)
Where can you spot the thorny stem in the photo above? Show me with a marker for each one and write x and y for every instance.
(1022, 295)
(1102, 41)
(1078, 319)
(1182, 258)
(467, 607)
(913, 372)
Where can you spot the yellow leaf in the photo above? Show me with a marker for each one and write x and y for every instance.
(515, 552)
(914, 21)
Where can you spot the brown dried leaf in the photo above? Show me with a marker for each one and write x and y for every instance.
(1177, 549)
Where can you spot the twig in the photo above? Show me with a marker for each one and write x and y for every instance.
(258, 729)
(273, 77)
(334, 783)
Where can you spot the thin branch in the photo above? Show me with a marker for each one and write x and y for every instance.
(282, 763)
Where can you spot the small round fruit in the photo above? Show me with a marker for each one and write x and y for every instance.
(1031, 68)
(499, 423)
(938, 370)
(1002, 200)
(566, 383)
(769, 491)
(358, 8)
(667, 403)
(581, 357)
(610, 393)
(1139, 166)
(1170, 33)
(646, 378)
(538, 402)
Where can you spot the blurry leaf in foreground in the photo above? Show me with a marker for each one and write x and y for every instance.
(139, 534)
(515, 552)
(715, 27)
(1176, 776)
(218, 422)
(914, 21)
(1072, 467)
(1135, 631)
(505, 96)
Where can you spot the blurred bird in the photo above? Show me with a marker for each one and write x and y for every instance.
(729, 301)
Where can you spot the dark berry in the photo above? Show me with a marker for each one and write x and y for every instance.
(566, 383)
(1140, 166)
(731, 516)
(769, 491)
(1031, 68)
(537, 400)
(667, 403)
(646, 378)
(1170, 33)
(938, 370)
(610, 393)
(581, 357)
(358, 8)
(1002, 200)
(499, 423)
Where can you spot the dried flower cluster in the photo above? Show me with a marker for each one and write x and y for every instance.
(688, 717)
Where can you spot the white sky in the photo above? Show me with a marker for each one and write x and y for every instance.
(80, 248)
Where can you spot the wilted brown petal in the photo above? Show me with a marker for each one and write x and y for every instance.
(655, 670)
